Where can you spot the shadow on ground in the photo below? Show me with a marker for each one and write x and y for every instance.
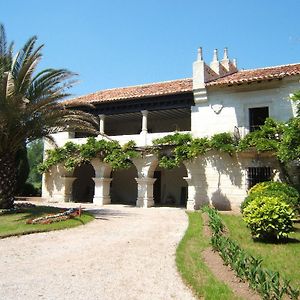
(105, 214)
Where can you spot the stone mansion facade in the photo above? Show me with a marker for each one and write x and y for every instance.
(218, 98)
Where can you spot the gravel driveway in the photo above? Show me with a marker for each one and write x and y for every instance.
(126, 253)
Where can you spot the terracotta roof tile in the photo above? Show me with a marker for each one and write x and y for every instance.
(247, 76)
(182, 85)
(135, 92)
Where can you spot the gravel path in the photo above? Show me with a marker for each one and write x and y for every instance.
(126, 253)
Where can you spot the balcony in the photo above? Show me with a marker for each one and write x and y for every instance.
(142, 127)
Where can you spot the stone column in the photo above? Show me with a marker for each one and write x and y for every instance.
(191, 201)
(144, 121)
(102, 190)
(197, 192)
(101, 124)
(66, 195)
(145, 192)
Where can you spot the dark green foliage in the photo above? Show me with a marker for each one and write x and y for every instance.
(174, 139)
(223, 142)
(35, 157)
(285, 192)
(22, 168)
(72, 155)
(265, 139)
(289, 148)
(267, 283)
(172, 150)
(269, 218)
(28, 190)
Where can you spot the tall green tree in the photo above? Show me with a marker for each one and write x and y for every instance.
(30, 107)
(35, 157)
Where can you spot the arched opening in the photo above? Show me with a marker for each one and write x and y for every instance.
(83, 187)
(123, 189)
(170, 189)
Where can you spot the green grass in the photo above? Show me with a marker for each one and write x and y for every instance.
(284, 258)
(15, 223)
(192, 267)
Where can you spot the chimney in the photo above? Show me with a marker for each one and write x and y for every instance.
(229, 66)
(199, 71)
(215, 64)
(203, 73)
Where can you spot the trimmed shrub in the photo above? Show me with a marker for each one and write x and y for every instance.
(287, 193)
(269, 218)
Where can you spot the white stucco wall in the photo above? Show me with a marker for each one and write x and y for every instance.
(221, 180)
(228, 107)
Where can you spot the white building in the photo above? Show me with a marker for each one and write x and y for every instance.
(219, 98)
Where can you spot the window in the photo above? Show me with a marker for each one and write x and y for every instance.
(258, 174)
(257, 117)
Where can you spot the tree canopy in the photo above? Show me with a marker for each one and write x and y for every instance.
(31, 106)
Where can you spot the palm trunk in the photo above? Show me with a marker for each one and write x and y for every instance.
(7, 180)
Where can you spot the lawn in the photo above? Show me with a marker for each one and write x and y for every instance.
(192, 267)
(284, 258)
(15, 223)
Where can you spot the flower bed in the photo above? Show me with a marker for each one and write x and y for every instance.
(48, 219)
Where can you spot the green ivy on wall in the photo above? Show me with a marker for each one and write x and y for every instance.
(171, 150)
(72, 155)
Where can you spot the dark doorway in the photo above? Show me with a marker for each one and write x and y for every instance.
(183, 195)
(157, 187)
(257, 117)
(83, 186)
(123, 189)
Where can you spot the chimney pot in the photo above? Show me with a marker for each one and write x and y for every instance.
(215, 57)
(225, 54)
(234, 62)
(200, 56)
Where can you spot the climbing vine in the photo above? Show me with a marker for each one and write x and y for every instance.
(72, 155)
(268, 138)
(171, 150)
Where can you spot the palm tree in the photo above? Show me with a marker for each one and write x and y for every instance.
(30, 107)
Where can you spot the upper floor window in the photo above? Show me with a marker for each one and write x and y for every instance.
(257, 117)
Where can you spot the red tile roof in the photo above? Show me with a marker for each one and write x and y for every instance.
(135, 92)
(183, 85)
(247, 76)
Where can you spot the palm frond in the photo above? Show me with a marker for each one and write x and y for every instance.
(30, 106)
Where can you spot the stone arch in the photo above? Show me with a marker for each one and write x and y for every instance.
(83, 187)
(146, 165)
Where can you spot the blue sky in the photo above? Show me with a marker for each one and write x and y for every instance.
(119, 43)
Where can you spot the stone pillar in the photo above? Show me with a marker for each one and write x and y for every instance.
(145, 192)
(191, 201)
(66, 195)
(101, 124)
(102, 190)
(144, 121)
